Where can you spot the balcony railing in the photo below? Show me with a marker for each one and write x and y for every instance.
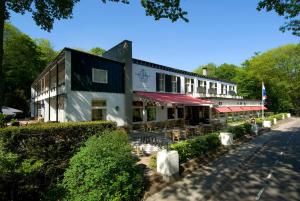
(212, 91)
(201, 90)
(232, 93)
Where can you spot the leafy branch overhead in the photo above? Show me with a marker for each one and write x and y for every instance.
(289, 9)
(44, 12)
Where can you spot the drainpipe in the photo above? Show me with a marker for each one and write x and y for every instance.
(56, 92)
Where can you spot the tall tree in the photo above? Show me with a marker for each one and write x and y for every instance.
(97, 51)
(289, 9)
(44, 12)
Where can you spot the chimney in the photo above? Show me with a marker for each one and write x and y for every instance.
(204, 71)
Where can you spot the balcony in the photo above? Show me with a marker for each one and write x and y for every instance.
(232, 93)
(212, 91)
(201, 90)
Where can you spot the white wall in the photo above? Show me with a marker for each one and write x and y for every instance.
(78, 106)
(149, 84)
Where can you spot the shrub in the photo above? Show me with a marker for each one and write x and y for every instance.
(153, 162)
(189, 149)
(104, 169)
(2, 120)
(47, 147)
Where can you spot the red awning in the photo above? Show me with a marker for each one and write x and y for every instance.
(222, 109)
(236, 109)
(246, 108)
(173, 98)
(257, 108)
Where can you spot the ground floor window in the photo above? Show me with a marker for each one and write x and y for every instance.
(137, 113)
(98, 110)
(171, 113)
(151, 114)
(180, 113)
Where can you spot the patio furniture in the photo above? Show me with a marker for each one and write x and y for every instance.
(207, 128)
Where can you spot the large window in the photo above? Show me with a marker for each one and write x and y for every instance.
(98, 110)
(151, 114)
(161, 86)
(201, 86)
(174, 84)
(171, 113)
(180, 113)
(99, 76)
(189, 85)
(137, 113)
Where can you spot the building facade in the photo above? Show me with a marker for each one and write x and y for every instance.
(79, 86)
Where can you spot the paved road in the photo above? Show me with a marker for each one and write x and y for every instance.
(267, 168)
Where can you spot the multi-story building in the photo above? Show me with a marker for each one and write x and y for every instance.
(79, 86)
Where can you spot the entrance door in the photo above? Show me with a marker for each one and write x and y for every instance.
(192, 115)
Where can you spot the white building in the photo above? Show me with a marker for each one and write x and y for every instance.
(79, 86)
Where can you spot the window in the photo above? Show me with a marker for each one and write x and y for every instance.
(99, 76)
(151, 113)
(180, 113)
(171, 113)
(201, 86)
(161, 82)
(98, 110)
(137, 113)
(174, 84)
(189, 85)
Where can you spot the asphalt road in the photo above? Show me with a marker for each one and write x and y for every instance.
(268, 168)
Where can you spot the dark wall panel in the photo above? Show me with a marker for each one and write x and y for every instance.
(81, 73)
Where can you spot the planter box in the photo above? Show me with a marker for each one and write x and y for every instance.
(168, 163)
(267, 124)
(226, 138)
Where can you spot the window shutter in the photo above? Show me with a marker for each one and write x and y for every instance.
(168, 83)
(157, 81)
(178, 84)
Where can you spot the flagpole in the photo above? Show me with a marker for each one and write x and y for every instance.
(262, 100)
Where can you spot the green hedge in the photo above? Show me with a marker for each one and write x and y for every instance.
(189, 149)
(240, 130)
(39, 155)
(104, 169)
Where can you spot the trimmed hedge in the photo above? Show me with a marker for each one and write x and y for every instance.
(189, 149)
(47, 145)
(104, 169)
(240, 130)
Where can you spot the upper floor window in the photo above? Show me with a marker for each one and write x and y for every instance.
(189, 85)
(201, 86)
(174, 84)
(161, 86)
(99, 76)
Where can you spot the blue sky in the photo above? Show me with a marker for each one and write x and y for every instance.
(219, 31)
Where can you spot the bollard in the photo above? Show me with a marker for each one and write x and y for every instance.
(275, 121)
(226, 138)
(267, 124)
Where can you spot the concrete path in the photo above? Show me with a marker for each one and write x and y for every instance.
(267, 168)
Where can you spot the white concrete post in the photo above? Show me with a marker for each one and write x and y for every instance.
(275, 121)
(267, 124)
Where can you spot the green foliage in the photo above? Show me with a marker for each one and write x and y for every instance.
(153, 161)
(104, 169)
(23, 60)
(97, 51)
(35, 157)
(289, 9)
(2, 120)
(240, 130)
(189, 149)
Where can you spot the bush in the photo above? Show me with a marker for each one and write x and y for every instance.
(104, 169)
(46, 146)
(2, 120)
(189, 149)
(153, 162)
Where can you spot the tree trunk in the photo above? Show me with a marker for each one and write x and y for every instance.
(2, 19)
